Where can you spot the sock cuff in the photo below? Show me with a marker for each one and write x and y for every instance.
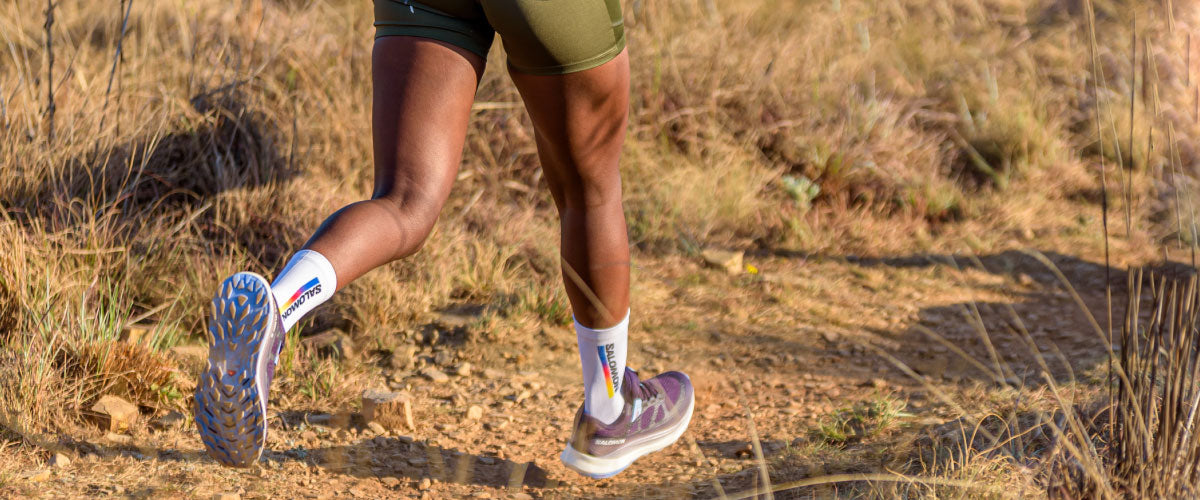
(602, 335)
(314, 258)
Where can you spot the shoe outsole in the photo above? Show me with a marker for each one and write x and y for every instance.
(230, 410)
(604, 468)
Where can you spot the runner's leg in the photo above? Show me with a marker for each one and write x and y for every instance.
(423, 94)
(422, 104)
(579, 121)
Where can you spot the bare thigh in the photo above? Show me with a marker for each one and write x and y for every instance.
(423, 91)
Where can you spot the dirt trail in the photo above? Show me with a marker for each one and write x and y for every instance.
(784, 347)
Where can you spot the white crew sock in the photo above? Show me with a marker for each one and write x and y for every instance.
(602, 353)
(306, 282)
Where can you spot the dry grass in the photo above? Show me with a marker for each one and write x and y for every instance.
(193, 139)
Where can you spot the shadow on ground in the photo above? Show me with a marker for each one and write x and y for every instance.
(1001, 341)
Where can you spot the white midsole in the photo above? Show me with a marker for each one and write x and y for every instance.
(593, 465)
(264, 346)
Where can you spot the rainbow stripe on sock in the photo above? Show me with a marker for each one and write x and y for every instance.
(310, 284)
(608, 382)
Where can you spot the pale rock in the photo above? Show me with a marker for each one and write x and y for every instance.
(730, 261)
(60, 460)
(435, 375)
(463, 369)
(114, 414)
(474, 412)
(403, 358)
(390, 407)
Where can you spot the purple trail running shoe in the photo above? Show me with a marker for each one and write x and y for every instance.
(656, 413)
(245, 336)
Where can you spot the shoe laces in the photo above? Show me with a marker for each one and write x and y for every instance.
(638, 389)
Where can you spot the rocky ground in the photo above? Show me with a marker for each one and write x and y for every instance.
(774, 346)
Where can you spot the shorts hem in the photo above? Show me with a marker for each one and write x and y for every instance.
(574, 67)
(455, 38)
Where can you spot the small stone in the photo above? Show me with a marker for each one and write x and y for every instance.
(332, 344)
(359, 490)
(522, 397)
(830, 337)
(521, 496)
(417, 461)
(474, 412)
(403, 358)
(425, 483)
(443, 358)
(731, 262)
(376, 428)
(463, 369)
(495, 426)
(60, 460)
(492, 374)
(170, 420)
(390, 408)
(318, 418)
(390, 481)
(435, 375)
(114, 414)
(712, 408)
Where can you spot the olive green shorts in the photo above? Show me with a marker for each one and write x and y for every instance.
(541, 37)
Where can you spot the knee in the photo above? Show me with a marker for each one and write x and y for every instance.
(413, 221)
(591, 169)
(586, 178)
(599, 186)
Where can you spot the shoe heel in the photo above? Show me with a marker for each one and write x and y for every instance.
(229, 408)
